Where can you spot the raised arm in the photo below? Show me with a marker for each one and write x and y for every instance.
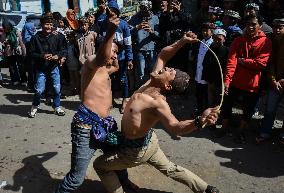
(177, 127)
(104, 51)
(169, 51)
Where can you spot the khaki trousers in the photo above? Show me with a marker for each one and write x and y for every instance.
(152, 154)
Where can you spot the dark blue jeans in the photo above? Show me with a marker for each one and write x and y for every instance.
(16, 68)
(82, 152)
(145, 64)
(40, 85)
(273, 100)
(123, 68)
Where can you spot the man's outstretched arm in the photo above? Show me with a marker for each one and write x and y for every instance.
(176, 127)
(104, 51)
(169, 51)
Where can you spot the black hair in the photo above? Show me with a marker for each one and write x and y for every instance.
(180, 82)
(57, 16)
(8, 24)
(46, 18)
(253, 16)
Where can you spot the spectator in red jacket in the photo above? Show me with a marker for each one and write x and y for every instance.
(247, 59)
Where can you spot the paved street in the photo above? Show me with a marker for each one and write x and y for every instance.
(35, 153)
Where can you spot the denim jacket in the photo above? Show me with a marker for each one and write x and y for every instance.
(142, 39)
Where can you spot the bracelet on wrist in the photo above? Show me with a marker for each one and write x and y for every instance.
(197, 122)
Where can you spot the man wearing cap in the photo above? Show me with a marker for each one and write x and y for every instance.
(247, 59)
(276, 78)
(253, 8)
(230, 20)
(46, 50)
(145, 34)
(125, 55)
(211, 71)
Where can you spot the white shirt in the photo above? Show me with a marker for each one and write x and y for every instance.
(201, 54)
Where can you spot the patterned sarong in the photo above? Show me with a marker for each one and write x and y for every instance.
(103, 130)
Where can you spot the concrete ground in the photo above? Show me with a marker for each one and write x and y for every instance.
(35, 153)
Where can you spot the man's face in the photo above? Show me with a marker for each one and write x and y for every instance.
(102, 6)
(278, 29)
(206, 33)
(47, 27)
(85, 26)
(72, 15)
(252, 27)
(164, 76)
(212, 17)
(60, 23)
(144, 9)
(218, 40)
(91, 19)
(113, 59)
(164, 5)
(249, 12)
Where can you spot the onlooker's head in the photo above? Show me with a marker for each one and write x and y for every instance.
(7, 25)
(46, 22)
(71, 19)
(231, 17)
(164, 5)
(251, 8)
(214, 13)
(253, 24)
(90, 15)
(207, 29)
(145, 6)
(84, 24)
(101, 4)
(113, 6)
(70, 14)
(278, 26)
(219, 37)
(170, 80)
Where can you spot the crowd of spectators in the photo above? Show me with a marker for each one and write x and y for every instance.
(246, 35)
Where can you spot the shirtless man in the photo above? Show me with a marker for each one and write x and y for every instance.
(145, 108)
(92, 117)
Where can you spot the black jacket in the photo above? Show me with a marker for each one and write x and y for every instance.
(42, 44)
(211, 71)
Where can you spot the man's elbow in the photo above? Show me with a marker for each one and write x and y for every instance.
(174, 129)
